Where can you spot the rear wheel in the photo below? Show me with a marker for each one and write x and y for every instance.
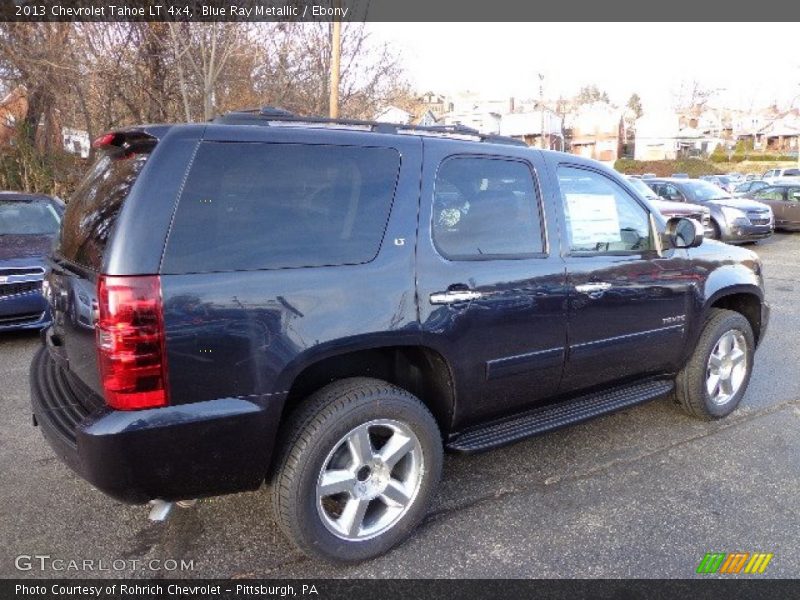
(712, 383)
(359, 467)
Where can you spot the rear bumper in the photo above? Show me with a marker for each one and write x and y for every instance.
(173, 453)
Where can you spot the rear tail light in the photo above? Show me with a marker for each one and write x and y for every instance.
(130, 342)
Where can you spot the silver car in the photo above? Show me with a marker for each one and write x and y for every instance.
(734, 220)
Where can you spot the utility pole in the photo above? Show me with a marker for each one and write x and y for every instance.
(336, 51)
(541, 110)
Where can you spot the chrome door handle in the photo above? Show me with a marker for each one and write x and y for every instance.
(592, 288)
(453, 296)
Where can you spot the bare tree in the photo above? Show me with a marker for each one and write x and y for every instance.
(297, 59)
(31, 55)
(204, 51)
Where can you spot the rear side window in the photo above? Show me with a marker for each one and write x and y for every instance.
(486, 208)
(93, 208)
(252, 206)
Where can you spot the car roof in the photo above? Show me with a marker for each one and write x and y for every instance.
(27, 197)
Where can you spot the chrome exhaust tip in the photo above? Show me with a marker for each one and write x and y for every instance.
(159, 510)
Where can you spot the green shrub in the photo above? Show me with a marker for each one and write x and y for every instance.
(694, 167)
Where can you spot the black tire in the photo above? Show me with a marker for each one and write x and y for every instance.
(314, 431)
(716, 231)
(690, 385)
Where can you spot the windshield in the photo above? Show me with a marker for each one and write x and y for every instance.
(28, 218)
(641, 187)
(703, 191)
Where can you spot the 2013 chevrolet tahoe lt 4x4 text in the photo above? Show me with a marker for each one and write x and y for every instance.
(327, 307)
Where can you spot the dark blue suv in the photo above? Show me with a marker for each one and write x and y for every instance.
(326, 306)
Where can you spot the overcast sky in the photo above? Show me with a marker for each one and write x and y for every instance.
(745, 63)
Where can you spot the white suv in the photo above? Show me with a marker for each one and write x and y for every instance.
(774, 174)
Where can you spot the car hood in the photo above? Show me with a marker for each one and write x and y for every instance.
(665, 207)
(24, 246)
(740, 203)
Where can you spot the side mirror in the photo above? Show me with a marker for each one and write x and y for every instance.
(684, 233)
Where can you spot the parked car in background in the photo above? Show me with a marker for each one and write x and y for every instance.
(723, 181)
(734, 220)
(681, 175)
(28, 224)
(774, 174)
(784, 200)
(668, 209)
(749, 187)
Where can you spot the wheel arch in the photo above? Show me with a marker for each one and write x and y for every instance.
(746, 299)
(416, 368)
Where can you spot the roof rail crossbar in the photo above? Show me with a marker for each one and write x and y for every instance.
(269, 115)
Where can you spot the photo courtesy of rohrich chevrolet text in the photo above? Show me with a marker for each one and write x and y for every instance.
(350, 298)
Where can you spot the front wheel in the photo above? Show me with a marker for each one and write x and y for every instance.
(712, 383)
(360, 463)
(716, 231)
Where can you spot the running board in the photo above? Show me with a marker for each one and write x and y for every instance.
(555, 416)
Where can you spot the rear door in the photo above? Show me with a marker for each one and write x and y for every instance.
(628, 300)
(490, 284)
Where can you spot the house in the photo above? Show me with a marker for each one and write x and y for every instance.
(13, 108)
(485, 121)
(656, 135)
(596, 131)
(13, 111)
(393, 114)
(427, 119)
(76, 141)
(541, 127)
(748, 125)
(437, 104)
(781, 134)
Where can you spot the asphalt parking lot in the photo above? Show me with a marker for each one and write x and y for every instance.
(642, 493)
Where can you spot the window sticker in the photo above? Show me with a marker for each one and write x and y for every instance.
(593, 219)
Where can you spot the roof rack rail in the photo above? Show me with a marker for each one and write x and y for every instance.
(270, 115)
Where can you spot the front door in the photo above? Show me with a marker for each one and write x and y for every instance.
(628, 301)
(491, 290)
(785, 204)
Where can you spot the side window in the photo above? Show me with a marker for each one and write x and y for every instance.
(486, 208)
(250, 206)
(600, 215)
(672, 193)
(771, 193)
(793, 194)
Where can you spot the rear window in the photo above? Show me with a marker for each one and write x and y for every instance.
(791, 173)
(93, 208)
(273, 206)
